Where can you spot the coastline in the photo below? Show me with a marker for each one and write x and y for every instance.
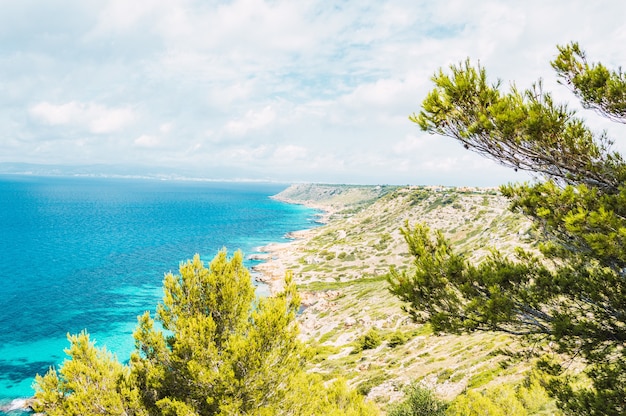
(341, 267)
(326, 210)
(277, 256)
(274, 256)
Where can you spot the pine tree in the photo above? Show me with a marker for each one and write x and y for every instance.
(90, 382)
(213, 348)
(220, 351)
(575, 294)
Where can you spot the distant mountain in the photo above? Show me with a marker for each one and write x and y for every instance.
(67, 170)
(109, 171)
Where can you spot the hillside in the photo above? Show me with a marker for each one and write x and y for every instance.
(340, 268)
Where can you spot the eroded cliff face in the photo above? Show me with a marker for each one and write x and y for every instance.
(341, 268)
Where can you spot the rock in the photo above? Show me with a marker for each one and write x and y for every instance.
(365, 321)
(313, 260)
(331, 294)
(260, 256)
(18, 404)
(390, 390)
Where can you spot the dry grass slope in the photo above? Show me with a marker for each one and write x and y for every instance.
(357, 328)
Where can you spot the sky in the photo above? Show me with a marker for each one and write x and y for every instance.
(287, 91)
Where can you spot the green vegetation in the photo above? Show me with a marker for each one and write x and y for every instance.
(351, 198)
(397, 338)
(213, 348)
(346, 302)
(366, 386)
(221, 352)
(418, 401)
(529, 398)
(574, 295)
(370, 340)
(91, 382)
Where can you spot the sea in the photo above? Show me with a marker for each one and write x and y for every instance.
(80, 253)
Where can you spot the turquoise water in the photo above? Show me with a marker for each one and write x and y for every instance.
(85, 253)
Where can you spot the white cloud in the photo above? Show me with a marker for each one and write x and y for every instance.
(165, 128)
(240, 155)
(253, 120)
(381, 93)
(315, 90)
(146, 141)
(93, 117)
(119, 16)
(230, 93)
(411, 144)
(289, 153)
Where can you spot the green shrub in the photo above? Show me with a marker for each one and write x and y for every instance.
(419, 401)
(397, 338)
(474, 403)
(499, 401)
(368, 341)
(418, 196)
(366, 386)
(444, 375)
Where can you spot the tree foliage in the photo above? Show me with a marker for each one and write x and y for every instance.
(91, 382)
(521, 129)
(213, 348)
(528, 398)
(501, 401)
(575, 295)
(596, 86)
(418, 401)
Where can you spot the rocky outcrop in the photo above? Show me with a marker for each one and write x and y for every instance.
(23, 405)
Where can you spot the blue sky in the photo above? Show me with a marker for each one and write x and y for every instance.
(313, 91)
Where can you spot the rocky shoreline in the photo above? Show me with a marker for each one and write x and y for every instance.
(276, 257)
(19, 405)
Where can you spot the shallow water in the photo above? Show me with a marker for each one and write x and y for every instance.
(85, 253)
